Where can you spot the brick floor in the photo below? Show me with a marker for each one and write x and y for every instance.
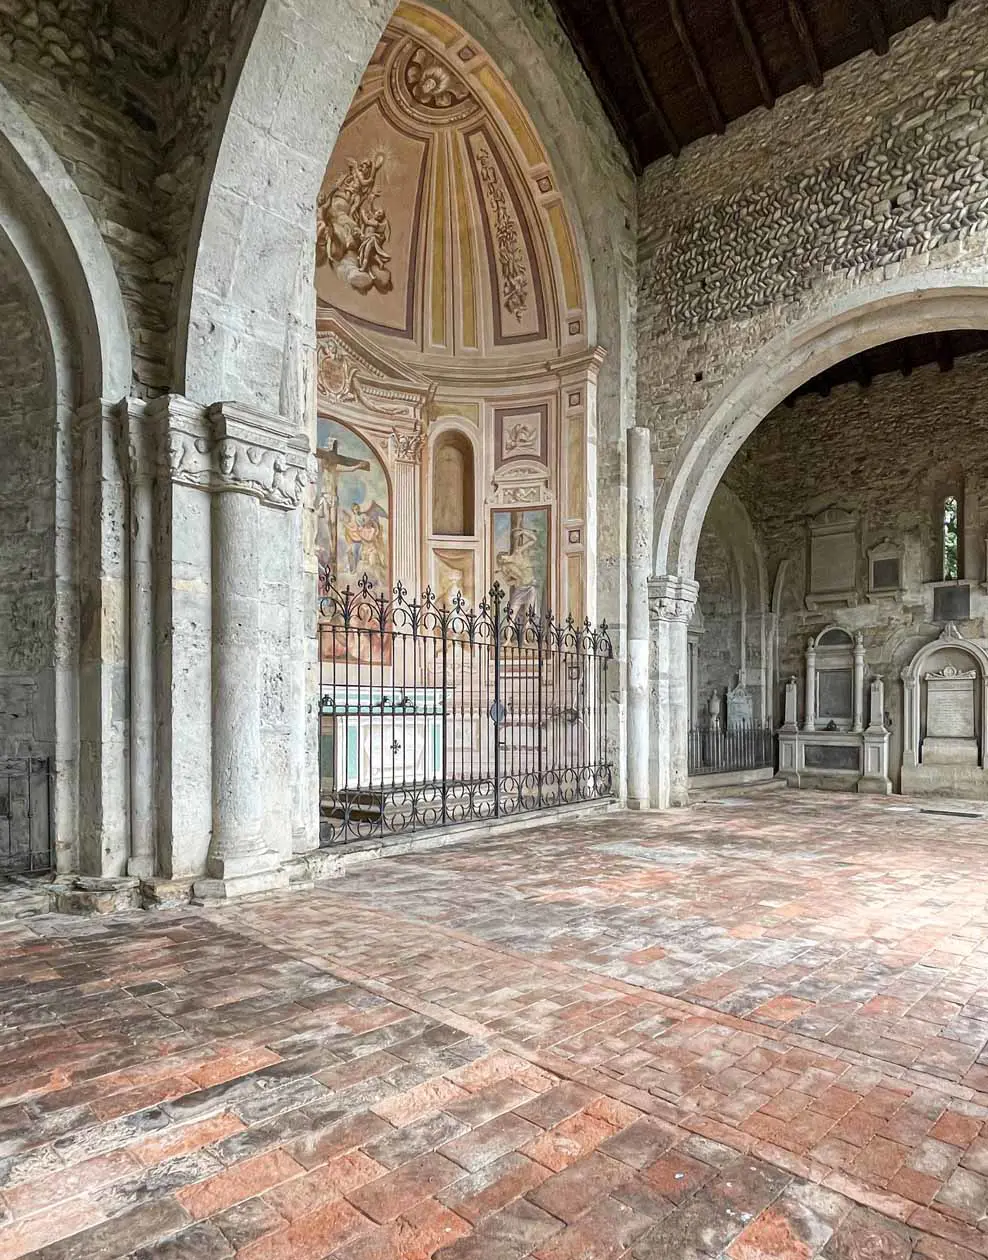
(756, 1029)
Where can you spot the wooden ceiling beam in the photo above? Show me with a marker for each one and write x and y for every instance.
(699, 74)
(644, 84)
(872, 14)
(752, 53)
(944, 351)
(862, 370)
(600, 85)
(801, 26)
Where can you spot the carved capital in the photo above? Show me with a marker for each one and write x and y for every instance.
(228, 447)
(672, 598)
(406, 448)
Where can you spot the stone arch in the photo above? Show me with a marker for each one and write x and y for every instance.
(251, 263)
(247, 320)
(63, 269)
(945, 298)
(49, 225)
(872, 315)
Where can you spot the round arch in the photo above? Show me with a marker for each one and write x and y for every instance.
(947, 299)
(247, 314)
(50, 227)
(69, 280)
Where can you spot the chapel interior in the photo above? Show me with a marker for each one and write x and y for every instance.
(493, 629)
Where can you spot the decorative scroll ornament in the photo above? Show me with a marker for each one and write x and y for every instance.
(950, 671)
(507, 239)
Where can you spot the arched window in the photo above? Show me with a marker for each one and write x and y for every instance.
(949, 538)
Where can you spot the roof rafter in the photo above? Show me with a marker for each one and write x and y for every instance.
(597, 78)
(752, 53)
(801, 26)
(872, 14)
(655, 109)
(702, 82)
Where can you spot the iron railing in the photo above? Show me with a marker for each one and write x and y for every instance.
(714, 750)
(25, 815)
(434, 714)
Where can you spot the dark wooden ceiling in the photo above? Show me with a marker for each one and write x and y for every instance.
(901, 356)
(670, 71)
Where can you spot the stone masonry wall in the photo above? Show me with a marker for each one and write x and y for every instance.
(27, 526)
(879, 172)
(887, 453)
(720, 615)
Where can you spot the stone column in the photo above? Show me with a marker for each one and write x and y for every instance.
(672, 601)
(809, 716)
(640, 508)
(141, 472)
(859, 664)
(256, 467)
(789, 723)
(406, 509)
(104, 788)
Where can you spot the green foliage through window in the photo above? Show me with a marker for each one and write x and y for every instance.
(950, 535)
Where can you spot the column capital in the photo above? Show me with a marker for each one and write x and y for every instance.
(229, 447)
(672, 598)
(406, 448)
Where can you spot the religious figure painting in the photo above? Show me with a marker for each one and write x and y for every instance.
(520, 546)
(352, 509)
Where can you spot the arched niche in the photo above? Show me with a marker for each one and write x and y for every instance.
(945, 700)
(453, 485)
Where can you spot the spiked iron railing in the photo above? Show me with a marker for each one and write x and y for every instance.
(433, 714)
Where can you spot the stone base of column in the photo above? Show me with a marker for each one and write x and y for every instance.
(232, 877)
(166, 894)
(91, 894)
(307, 869)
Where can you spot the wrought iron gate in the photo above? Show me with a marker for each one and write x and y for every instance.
(432, 715)
(25, 815)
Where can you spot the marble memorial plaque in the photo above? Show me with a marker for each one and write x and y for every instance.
(952, 603)
(833, 559)
(834, 693)
(950, 707)
(831, 757)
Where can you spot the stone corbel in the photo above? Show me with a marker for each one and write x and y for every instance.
(672, 598)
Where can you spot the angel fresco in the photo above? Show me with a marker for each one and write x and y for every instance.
(353, 229)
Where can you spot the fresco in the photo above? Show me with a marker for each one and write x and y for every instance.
(353, 508)
(520, 551)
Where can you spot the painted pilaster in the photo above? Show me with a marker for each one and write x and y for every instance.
(104, 789)
(672, 601)
(406, 456)
(640, 507)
